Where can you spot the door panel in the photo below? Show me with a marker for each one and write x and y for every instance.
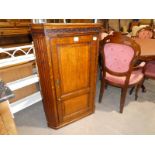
(74, 67)
(75, 106)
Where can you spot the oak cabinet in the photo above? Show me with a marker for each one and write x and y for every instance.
(66, 56)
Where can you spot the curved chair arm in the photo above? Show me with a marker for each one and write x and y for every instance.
(140, 66)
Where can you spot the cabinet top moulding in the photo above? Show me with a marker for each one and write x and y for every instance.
(60, 28)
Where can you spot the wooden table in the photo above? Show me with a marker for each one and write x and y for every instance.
(147, 48)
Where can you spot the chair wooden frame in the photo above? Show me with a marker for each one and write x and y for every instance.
(120, 39)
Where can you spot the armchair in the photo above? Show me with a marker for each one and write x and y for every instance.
(149, 72)
(119, 55)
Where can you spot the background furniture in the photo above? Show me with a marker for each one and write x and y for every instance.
(150, 70)
(18, 70)
(147, 55)
(147, 49)
(150, 67)
(7, 125)
(145, 36)
(17, 62)
(67, 57)
(145, 33)
(15, 31)
(119, 54)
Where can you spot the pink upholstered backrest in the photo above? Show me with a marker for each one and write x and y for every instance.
(145, 34)
(118, 57)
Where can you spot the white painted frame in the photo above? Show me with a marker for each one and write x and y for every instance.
(20, 83)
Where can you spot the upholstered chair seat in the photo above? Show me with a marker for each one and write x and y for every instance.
(135, 77)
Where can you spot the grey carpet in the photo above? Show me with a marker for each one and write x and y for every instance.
(138, 116)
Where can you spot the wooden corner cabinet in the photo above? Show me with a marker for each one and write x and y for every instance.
(67, 57)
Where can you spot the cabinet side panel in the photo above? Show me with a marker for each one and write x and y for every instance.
(46, 79)
(94, 68)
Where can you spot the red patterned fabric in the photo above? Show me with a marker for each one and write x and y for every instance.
(118, 57)
(150, 69)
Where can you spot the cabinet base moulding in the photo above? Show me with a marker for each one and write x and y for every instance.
(69, 122)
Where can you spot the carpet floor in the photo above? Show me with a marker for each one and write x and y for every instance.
(138, 117)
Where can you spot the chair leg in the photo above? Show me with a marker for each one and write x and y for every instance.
(123, 96)
(101, 90)
(106, 85)
(143, 88)
(141, 84)
(132, 89)
(137, 89)
(100, 66)
(100, 76)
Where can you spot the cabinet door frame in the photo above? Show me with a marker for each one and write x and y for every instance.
(67, 41)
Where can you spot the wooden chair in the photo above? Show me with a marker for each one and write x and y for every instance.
(145, 33)
(149, 72)
(119, 54)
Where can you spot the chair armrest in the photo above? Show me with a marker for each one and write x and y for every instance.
(140, 66)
